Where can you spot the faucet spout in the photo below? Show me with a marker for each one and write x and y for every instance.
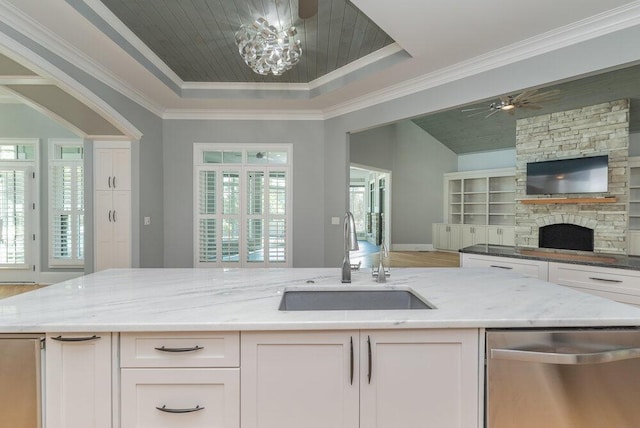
(381, 274)
(350, 244)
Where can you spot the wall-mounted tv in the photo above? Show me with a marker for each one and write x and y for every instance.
(578, 175)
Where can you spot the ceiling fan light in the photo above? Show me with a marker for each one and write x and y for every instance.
(507, 107)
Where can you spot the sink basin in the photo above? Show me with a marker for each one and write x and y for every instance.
(351, 300)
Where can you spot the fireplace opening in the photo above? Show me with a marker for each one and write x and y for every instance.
(564, 236)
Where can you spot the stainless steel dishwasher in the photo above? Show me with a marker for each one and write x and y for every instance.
(20, 380)
(563, 378)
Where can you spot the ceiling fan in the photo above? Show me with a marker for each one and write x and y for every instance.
(530, 99)
(307, 8)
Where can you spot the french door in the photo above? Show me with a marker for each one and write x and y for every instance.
(242, 212)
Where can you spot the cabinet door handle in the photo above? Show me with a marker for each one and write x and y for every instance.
(76, 339)
(194, 348)
(114, 216)
(370, 358)
(169, 410)
(109, 216)
(351, 362)
(114, 182)
(501, 267)
(109, 182)
(595, 278)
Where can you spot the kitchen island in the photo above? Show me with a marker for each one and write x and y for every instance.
(160, 347)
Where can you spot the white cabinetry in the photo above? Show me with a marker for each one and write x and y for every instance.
(501, 235)
(472, 235)
(616, 284)
(180, 379)
(446, 236)
(633, 236)
(381, 379)
(112, 205)
(532, 268)
(478, 200)
(78, 380)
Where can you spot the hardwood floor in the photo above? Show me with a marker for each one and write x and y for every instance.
(410, 259)
(7, 290)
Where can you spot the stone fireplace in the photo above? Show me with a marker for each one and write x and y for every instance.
(589, 131)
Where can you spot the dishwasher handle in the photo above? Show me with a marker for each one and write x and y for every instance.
(564, 358)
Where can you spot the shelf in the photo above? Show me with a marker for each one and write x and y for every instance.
(607, 200)
(502, 214)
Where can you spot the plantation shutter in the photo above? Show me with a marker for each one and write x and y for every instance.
(13, 211)
(66, 206)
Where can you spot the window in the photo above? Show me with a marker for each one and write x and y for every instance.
(242, 207)
(66, 204)
(17, 163)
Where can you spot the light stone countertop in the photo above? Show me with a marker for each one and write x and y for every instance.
(247, 299)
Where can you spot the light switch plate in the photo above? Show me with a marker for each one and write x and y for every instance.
(335, 220)
(147, 221)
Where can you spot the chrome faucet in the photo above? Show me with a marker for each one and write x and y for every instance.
(350, 244)
(381, 274)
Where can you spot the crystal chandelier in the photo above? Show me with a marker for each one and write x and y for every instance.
(266, 49)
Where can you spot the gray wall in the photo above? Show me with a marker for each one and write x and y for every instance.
(308, 187)
(22, 121)
(417, 162)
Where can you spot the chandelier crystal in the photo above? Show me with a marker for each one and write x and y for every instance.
(266, 49)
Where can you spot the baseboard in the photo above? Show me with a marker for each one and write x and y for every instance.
(55, 277)
(412, 247)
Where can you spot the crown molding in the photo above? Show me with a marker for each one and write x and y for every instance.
(617, 19)
(24, 80)
(219, 114)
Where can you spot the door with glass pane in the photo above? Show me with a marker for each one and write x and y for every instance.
(242, 208)
(15, 206)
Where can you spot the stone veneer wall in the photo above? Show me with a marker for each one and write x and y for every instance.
(590, 131)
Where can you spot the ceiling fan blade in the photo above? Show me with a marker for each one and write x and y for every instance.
(524, 95)
(477, 113)
(307, 8)
(492, 113)
(473, 109)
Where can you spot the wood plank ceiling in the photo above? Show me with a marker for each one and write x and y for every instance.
(467, 132)
(196, 38)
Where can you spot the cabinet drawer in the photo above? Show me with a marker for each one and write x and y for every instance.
(180, 349)
(195, 398)
(532, 268)
(616, 284)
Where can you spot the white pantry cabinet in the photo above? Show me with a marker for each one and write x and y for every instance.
(367, 379)
(112, 205)
(78, 380)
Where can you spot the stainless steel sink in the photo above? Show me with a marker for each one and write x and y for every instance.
(351, 299)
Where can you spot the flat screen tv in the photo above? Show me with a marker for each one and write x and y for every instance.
(578, 175)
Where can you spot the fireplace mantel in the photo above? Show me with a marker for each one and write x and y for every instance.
(539, 201)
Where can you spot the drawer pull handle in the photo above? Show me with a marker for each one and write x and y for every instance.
(195, 348)
(168, 410)
(501, 267)
(595, 278)
(75, 339)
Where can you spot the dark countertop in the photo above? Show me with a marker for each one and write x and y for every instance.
(559, 256)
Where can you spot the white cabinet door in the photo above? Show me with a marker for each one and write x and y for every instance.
(634, 243)
(112, 169)
(78, 380)
(299, 379)
(446, 236)
(472, 235)
(112, 206)
(414, 379)
(501, 235)
(193, 398)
